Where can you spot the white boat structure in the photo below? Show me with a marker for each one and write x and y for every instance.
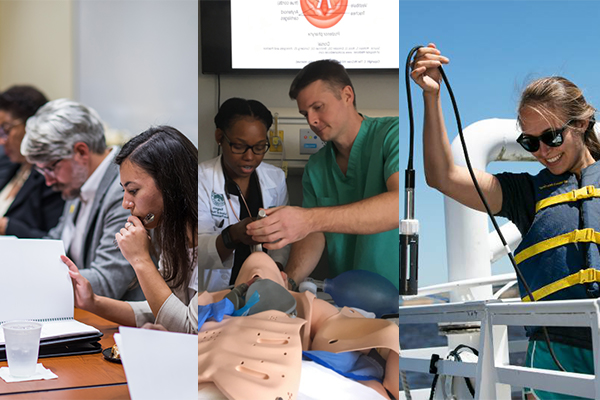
(475, 315)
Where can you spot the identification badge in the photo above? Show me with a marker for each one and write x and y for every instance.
(218, 205)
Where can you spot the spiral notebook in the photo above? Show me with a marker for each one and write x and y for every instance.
(35, 285)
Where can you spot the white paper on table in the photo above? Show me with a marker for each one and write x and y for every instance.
(34, 282)
(40, 373)
(159, 365)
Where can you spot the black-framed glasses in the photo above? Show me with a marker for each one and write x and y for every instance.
(6, 128)
(239, 148)
(550, 137)
(50, 169)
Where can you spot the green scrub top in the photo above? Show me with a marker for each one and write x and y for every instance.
(373, 159)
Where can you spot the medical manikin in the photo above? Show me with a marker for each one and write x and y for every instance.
(259, 356)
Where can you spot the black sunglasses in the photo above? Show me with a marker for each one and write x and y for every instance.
(550, 137)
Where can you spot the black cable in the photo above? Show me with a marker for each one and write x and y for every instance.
(491, 215)
(480, 193)
(409, 227)
(409, 174)
(218, 91)
(433, 385)
(218, 104)
(478, 188)
(410, 109)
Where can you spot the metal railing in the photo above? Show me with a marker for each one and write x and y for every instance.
(493, 374)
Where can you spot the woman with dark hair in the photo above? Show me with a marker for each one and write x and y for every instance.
(231, 190)
(28, 208)
(157, 174)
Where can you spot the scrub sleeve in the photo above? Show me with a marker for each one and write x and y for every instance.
(373, 159)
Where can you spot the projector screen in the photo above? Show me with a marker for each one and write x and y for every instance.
(288, 34)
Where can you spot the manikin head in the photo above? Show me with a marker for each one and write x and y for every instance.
(259, 264)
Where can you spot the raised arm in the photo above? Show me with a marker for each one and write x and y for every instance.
(135, 245)
(440, 171)
(109, 273)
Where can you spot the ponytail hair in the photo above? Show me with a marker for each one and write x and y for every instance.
(590, 138)
(561, 98)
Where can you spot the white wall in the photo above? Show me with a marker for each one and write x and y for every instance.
(373, 91)
(137, 63)
(36, 45)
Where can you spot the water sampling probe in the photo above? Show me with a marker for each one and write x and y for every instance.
(408, 266)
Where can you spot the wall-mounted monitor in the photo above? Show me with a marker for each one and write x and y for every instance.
(270, 35)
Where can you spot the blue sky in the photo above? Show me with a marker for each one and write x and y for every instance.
(495, 49)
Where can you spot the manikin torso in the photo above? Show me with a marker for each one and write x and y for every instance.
(262, 353)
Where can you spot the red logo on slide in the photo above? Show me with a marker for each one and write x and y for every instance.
(323, 13)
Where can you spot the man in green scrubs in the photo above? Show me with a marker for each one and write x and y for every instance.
(350, 186)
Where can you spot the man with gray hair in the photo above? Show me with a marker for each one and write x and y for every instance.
(65, 142)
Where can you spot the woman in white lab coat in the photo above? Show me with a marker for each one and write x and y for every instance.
(231, 190)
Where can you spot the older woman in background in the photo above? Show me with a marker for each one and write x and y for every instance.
(28, 208)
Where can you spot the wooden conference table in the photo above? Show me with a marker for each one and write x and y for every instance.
(87, 376)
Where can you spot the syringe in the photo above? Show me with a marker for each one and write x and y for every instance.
(258, 247)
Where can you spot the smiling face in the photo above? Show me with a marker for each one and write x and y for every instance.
(244, 131)
(327, 110)
(13, 130)
(571, 156)
(141, 195)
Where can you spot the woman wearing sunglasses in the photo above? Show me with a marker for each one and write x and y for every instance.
(231, 190)
(557, 211)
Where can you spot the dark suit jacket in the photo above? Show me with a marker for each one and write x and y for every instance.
(6, 168)
(109, 273)
(36, 208)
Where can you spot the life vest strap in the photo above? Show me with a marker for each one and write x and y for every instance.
(580, 277)
(585, 192)
(578, 235)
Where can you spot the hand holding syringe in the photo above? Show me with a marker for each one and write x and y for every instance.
(258, 247)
